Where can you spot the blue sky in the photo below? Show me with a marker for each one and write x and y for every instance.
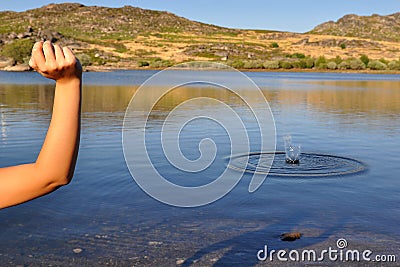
(285, 15)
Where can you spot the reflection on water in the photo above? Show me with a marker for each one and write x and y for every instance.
(371, 98)
(94, 98)
(110, 218)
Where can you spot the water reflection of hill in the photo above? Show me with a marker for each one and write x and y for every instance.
(94, 98)
(372, 98)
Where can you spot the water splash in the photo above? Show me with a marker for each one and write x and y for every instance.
(292, 151)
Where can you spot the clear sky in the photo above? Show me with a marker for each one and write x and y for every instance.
(284, 15)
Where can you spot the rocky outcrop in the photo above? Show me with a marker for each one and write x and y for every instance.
(6, 62)
(20, 67)
(349, 43)
(36, 34)
(375, 27)
(50, 35)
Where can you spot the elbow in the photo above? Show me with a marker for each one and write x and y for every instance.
(53, 179)
(61, 179)
(53, 182)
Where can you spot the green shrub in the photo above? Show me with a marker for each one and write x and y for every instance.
(301, 64)
(285, 65)
(274, 45)
(331, 65)
(364, 59)
(338, 60)
(18, 50)
(143, 63)
(309, 62)
(298, 55)
(356, 64)
(119, 47)
(377, 65)
(248, 64)
(344, 65)
(253, 64)
(271, 64)
(237, 64)
(343, 45)
(384, 61)
(394, 65)
(160, 63)
(320, 62)
(259, 64)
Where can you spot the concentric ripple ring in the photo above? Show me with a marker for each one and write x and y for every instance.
(311, 165)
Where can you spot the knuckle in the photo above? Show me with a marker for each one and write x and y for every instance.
(70, 63)
(51, 66)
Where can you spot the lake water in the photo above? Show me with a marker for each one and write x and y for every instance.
(105, 213)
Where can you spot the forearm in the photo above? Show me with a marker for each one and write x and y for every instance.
(55, 164)
(58, 155)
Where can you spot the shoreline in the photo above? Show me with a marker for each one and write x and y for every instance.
(110, 69)
(23, 68)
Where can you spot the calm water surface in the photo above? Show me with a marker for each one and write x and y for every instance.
(115, 223)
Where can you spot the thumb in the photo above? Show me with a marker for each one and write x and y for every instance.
(32, 63)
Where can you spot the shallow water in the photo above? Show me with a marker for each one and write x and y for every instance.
(106, 214)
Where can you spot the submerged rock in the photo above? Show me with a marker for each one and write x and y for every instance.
(77, 250)
(290, 236)
(180, 261)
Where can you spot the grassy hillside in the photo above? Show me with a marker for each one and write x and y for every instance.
(130, 37)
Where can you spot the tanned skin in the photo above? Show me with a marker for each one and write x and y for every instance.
(55, 164)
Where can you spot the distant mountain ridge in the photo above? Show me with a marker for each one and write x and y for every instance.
(375, 27)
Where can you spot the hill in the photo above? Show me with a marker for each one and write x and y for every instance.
(130, 37)
(382, 28)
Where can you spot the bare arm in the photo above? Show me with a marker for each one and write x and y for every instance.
(55, 164)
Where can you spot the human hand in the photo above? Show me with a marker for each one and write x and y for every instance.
(55, 63)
